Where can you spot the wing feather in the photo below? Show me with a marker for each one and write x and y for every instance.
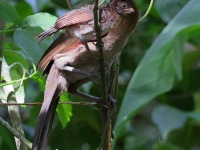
(77, 16)
(62, 44)
(74, 17)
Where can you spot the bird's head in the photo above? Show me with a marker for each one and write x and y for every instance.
(123, 7)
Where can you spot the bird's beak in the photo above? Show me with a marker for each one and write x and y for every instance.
(128, 10)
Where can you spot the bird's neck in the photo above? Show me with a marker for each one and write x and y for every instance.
(118, 36)
(126, 25)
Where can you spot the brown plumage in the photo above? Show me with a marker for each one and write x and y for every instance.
(80, 23)
(69, 51)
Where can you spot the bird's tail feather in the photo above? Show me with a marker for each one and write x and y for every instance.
(51, 98)
(41, 140)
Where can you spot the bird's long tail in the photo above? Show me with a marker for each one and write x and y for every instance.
(47, 112)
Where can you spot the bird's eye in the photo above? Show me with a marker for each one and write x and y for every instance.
(124, 6)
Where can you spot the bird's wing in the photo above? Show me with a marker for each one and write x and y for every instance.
(62, 44)
(77, 16)
(82, 15)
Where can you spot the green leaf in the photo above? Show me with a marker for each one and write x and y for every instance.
(8, 13)
(174, 5)
(40, 4)
(12, 56)
(165, 146)
(196, 97)
(168, 118)
(7, 139)
(135, 142)
(195, 116)
(43, 20)
(25, 40)
(23, 9)
(25, 37)
(158, 69)
(40, 80)
(64, 111)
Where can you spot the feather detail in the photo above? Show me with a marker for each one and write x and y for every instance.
(44, 34)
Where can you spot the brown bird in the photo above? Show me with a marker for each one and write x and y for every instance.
(69, 64)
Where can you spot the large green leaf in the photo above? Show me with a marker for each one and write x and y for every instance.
(25, 37)
(7, 139)
(42, 20)
(174, 5)
(160, 66)
(23, 9)
(8, 13)
(165, 146)
(13, 56)
(64, 111)
(168, 118)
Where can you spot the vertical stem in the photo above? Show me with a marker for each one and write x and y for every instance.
(105, 111)
(2, 26)
(114, 90)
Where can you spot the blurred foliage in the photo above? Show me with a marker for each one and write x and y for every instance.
(159, 86)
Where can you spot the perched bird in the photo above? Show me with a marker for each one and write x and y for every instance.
(69, 64)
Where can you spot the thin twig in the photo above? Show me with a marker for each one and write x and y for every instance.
(148, 10)
(105, 131)
(19, 80)
(16, 133)
(113, 89)
(68, 4)
(100, 47)
(7, 30)
(40, 104)
(101, 2)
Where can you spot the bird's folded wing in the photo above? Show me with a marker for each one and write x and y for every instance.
(79, 16)
(62, 44)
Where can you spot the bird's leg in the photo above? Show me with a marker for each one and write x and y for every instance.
(87, 96)
(72, 89)
(113, 102)
(113, 85)
(96, 99)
